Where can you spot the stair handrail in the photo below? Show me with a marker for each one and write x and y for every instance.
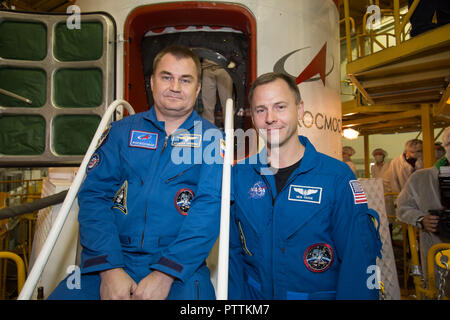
(49, 244)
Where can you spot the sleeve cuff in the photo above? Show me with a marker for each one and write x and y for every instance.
(169, 267)
(100, 263)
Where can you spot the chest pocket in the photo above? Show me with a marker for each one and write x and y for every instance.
(182, 174)
(133, 172)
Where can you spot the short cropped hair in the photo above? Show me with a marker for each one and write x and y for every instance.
(179, 52)
(412, 143)
(271, 77)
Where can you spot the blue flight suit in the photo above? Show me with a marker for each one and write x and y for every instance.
(151, 202)
(314, 240)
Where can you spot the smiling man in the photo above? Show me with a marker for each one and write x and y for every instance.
(300, 225)
(147, 224)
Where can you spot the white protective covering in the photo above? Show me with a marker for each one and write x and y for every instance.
(375, 196)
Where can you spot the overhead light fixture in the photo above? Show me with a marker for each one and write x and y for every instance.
(350, 134)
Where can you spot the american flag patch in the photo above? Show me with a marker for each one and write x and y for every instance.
(358, 192)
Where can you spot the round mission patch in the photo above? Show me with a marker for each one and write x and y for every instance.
(93, 162)
(183, 200)
(318, 257)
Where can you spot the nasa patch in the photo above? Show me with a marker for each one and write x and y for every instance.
(93, 162)
(258, 190)
(183, 200)
(187, 140)
(305, 194)
(318, 257)
(120, 199)
(143, 139)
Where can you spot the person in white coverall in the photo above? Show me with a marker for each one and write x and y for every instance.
(419, 195)
(400, 168)
(214, 79)
(347, 152)
(380, 166)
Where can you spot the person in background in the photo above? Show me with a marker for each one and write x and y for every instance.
(400, 168)
(419, 196)
(215, 79)
(380, 166)
(347, 153)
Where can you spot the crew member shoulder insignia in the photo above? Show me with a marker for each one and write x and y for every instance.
(93, 162)
(103, 138)
(120, 199)
(358, 192)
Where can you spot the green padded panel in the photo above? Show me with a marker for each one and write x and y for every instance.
(73, 133)
(78, 88)
(81, 44)
(23, 40)
(28, 83)
(22, 135)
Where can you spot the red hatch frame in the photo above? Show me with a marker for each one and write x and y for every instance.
(179, 14)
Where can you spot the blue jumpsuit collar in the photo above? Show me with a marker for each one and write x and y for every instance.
(309, 160)
(188, 124)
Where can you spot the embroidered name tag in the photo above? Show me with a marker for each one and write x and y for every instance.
(187, 140)
(143, 139)
(305, 194)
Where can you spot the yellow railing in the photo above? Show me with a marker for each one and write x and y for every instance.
(30, 190)
(400, 23)
(427, 289)
(20, 268)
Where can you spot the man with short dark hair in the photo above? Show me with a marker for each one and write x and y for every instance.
(300, 225)
(149, 206)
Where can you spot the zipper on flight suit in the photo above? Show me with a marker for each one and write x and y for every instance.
(145, 215)
(273, 208)
(165, 143)
(143, 232)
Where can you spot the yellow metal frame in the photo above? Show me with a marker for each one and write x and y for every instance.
(432, 291)
(20, 267)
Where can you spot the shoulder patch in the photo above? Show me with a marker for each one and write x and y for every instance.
(358, 192)
(93, 162)
(223, 147)
(120, 199)
(103, 138)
